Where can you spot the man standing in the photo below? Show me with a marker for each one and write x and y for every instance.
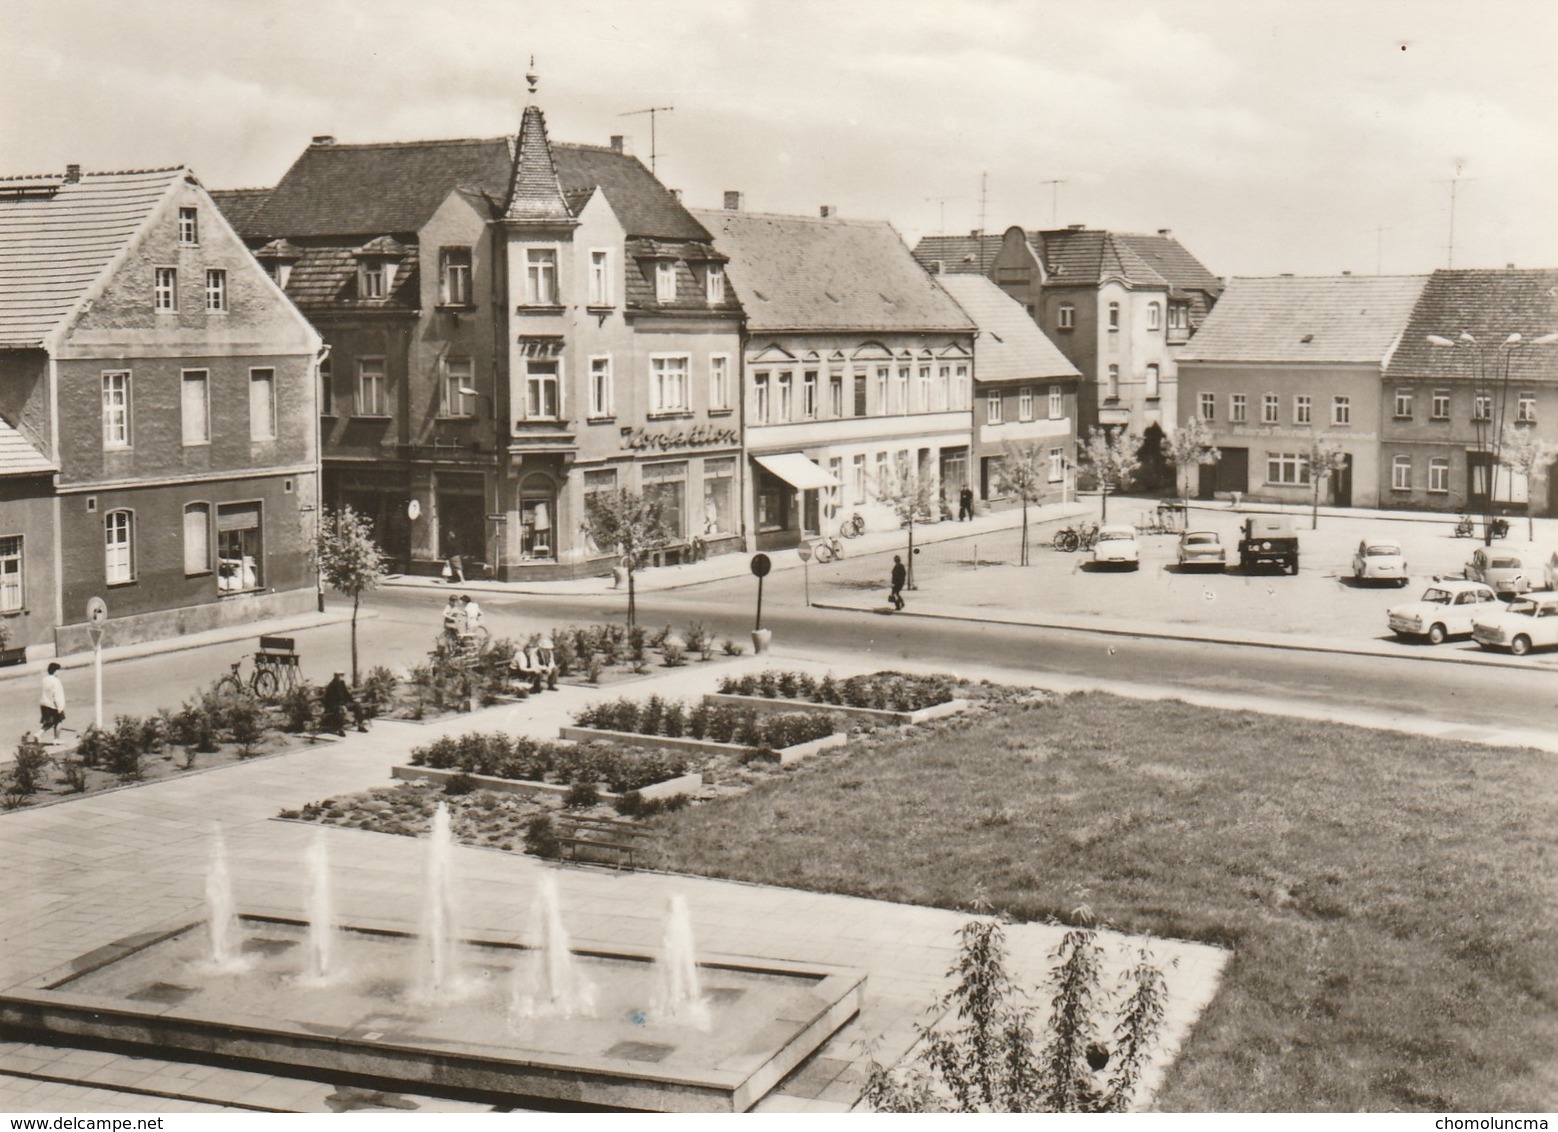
(51, 702)
(965, 503)
(454, 619)
(900, 576)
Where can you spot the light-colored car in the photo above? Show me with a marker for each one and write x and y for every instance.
(1524, 624)
(1380, 560)
(1202, 548)
(1117, 546)
(1510, 570)
(1446, 609)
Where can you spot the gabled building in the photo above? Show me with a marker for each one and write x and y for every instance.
(1025, 391)
(513, 325)
(855, 363)
(157, 421)
(1287, 361)
(1445, 407)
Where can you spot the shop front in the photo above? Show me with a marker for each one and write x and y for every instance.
(789, 492)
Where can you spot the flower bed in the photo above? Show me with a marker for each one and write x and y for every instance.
(879, 691)
(621, 768)
(723, 724)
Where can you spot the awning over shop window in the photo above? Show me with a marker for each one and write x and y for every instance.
(797, 471)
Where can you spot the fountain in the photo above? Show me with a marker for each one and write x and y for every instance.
(321, 912)
(553, 986)
(439, 975)
(680, 994)
(221, 919)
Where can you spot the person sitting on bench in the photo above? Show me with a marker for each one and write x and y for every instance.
(523, 673)
(537, 663)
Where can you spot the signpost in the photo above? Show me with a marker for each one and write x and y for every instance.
(97, 619)
(804, 550)
(760, 636)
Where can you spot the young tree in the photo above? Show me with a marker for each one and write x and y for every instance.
(349, 560)
(913, 498)
(1024, 472)
(1189, 446)
(1526, 454)
(629, 522)
(1113, 457)
(1326, 458)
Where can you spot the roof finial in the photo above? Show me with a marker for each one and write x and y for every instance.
(531, 77)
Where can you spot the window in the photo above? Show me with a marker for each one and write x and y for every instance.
(860, 394)
(719, 382)
(836, 470)
(1270, 408)
(719, 495)
(1154, 316)
(760, 402)
(195, 406)
(370, 279)
(962, 393)
(665, 281)
(1401, 473)
(116, 409)
(860, 478)
(216, 289)
(1238, 411)
(944, 374)
(1154, 381)
(786, 396)
(189, 226)
(458, 374)
(1025, 403)
(884, 378)
(118, 558)
(1404, 404)
(1525, 410)
(1114, 316)
(600, 387)
(13, 593)
(1302, 409)
(326, 389)
(1112, 390)
(1439, 474)
(666, 484)
(1341, 410)
(836, 394)
(809, 395)
(240, 565)
(1057, 464)
(1208, 402)
(714, 283)
(881, 471)
(1179, 316)
(925, 389)
(372, 388)
(1441, 408)
(902, 393)
(454, 275)
(541, 277)
(166, 289)
(197, 539)
(1482, 407)
(1057, 405)
(542, 390)
(600, 278)
(669, 382)
(993, 407)
(1066, 316)
(1287, 468)
(262, 404)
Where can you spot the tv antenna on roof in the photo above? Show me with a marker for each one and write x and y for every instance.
(651, 111)
(1054, 201)
(1454, 183)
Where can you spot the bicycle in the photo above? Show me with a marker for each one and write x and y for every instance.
(1081, 537)
(1464, 527)
(262, 683)
(853, 527)
(827, 549)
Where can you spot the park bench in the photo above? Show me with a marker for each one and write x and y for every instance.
(600, 840)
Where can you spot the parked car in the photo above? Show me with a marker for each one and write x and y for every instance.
(1524, 624)
(1446, 609)
(1380, 560)
(1509, 570)
(1202, 548)
(1117, 546)
(1269, 540)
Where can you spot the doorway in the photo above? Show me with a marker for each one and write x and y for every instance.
(1341, 483)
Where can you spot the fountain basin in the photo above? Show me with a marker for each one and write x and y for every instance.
(156, 989)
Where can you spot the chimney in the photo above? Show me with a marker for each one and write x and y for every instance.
(616, 143)
(324, 139)
(1076, 227)
(1346, 273)
(73, 176)
(827, 211)
(1507, 266)
(676, 195)
(732, 201)
(1165, 231)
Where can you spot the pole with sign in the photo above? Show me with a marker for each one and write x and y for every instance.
(804, 550)
(97, 619)
(760, 636)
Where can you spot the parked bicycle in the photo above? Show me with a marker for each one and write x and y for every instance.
(854, 526)
(275, 668)
(1083, 536)
(827, 549)
(1466, 527)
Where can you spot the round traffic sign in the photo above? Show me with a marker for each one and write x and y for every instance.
(761, 565)
(804, 550)
(97, 610)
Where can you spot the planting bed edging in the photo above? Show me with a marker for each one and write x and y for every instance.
(670, 788)
(861, 714)
(787, 755)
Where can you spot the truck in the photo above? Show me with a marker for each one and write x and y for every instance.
(1268, 540)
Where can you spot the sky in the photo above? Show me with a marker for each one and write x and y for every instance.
(1305, 136)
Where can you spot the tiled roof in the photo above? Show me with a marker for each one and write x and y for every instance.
(534, 193)
(806, 273)
(958, 255)
(326, 277)
(18, 457)
(1490, 306)
(1337, 318)
(1010, 343)
(238, 205)
(644, 206)
(57, 239)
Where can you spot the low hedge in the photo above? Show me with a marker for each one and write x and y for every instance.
(719, 723)
(529, 760)
(883, 691)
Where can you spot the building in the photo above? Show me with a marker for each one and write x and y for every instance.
(1025, 391)
(1286, 362)
(1120, 306)
(157, 421)
(513, 325)
(1444, 407)
(855, 364)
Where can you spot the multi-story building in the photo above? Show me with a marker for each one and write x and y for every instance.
(1025, 391)
(855, 366)
(1444, 407)
(514, 325)
(1286, 362)
(157, 396)
(1120, 306)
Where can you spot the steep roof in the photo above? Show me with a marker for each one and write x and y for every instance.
(1490, 306)
(18, 457)
(240, 205)
(972, 254)
(808, 273)
(535, 194)
(58, 237)
(1334, 318)
(1010, 343)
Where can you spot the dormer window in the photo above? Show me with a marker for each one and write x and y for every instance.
(370, 279)
(377, 262)
(665, 281)
(714, 283)
(278, 258)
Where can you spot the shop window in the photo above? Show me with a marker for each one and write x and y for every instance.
(719, 497)
(239, 553)
(666, 484)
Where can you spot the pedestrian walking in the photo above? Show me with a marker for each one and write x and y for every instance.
(900, 576)
(965, 503)
(51, 702)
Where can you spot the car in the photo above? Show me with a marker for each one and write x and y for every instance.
(1380, 560)
(1268, 540)
(1508, 569)
(1446, 609)
(1524, 624)
(1116, 546)
(1202, 548)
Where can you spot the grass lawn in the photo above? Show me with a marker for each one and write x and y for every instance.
(1391, 901)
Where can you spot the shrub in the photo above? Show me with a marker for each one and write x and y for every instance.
(828, 690)
(637, 636)
(698, 720)
(768, 684)
(581, 796)
(541, 837)
(246, 725)
(610, 646)
(675, 655)
(377, 694)
(300, 708)
(650, 716)
(93, 747)
(28, 764)
(631, 804)
(73, 774)
(124, 749)
(460, 785)
(731, 648)
(563, 652)
(786, 685)
(674, 722)
(593, 672)
(660, 638)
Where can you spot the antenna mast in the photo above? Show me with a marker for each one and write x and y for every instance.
(1054, 206)
(651, 111)
(984, 179)
(1455, 184)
